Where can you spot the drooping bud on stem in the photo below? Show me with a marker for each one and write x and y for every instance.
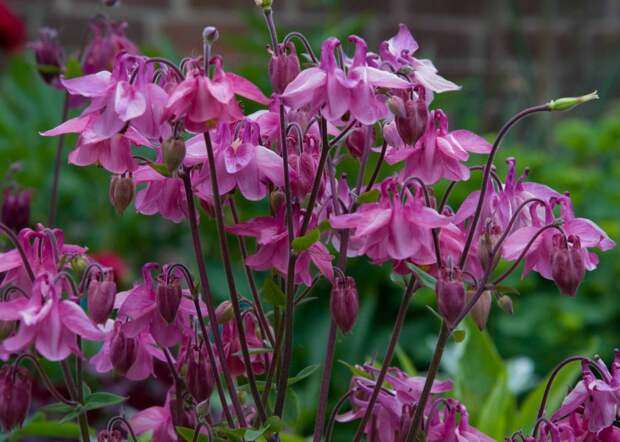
(450, 293)
(15, 396)
(48, 55)
(567, 103)
(168, 299)
(100, 298)
(123, 350)
(358, 140)
(410, 115)
(224, 312)
(486, 244)
(265, 4)
(283, 68)
(122, 191)
(173, 153)
(344, 303)
(505, 303)
(277, 198)
(200, 378)
(16, 208)
(481, 309)
(112, 436)
(567, 266)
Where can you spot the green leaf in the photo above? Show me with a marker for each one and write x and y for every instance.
(356, 371)
(459, 335)
(324, 226)
(426, 279)
(303, 374)
(478, 370)
(188, 434)
(398, 279)
(47, 429)
(102, 399)
(506, 290)
(498, 410)
(73, 68)
(252, 434)
(372, 196)
(302, 243)
(161, 169)
(57, 407)
(273, 293)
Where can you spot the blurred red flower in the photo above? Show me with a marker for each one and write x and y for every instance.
(12, 29)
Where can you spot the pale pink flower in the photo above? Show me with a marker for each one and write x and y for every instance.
(163, 195)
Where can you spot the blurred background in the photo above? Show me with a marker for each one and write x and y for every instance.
(507, 54)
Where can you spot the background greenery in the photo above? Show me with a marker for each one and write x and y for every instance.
(576, 152)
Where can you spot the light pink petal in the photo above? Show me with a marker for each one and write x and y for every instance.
(22, 339)
(471, 142)
(50, 340)
(270, 165)
(429, 78)
(73, 125)
(322, 259)
(76, 320)
(381, 78)
(94, 85)
(220, 89)
(237, 157)
(402, 41)
(249, 183)
(10, 310)
(246, 88)
(129, 102)
(338, 96)
(516, 242)
(149, 419)
(590, 234)
(302, 89)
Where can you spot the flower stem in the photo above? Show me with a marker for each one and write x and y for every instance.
(208, 299)
(51, 220)
(412, 286)
(230, 280)
(22, 254)
(324, 391)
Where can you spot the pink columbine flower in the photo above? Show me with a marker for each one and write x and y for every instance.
(438, 153)
(108, 41)
(397, 227)
(43, 248)
(140, 306)
(273, 246)
(336, 92)
(202, 101)
(162, 421)
(452, 425)
(146, 350)
(48, 321)
(581, 232)
(232, 347)
(240, 162)
(163, 195)
(398, 53)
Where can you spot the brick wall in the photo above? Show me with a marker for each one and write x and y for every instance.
(516, 48)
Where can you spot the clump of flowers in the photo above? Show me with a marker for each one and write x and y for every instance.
(229, 363)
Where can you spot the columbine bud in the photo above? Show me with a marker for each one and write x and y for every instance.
(283, 68)
(344, 303)
(567, 267)
(48, 55)
(210, 35)
(481, 309)
(200, 379)
(505, 303)
(123, 350)
(224, 312)
(173, 152)
(122, 191)
(277, 198)
(567, 103)
(357, 141)
(410, 115)
(15, 394)
(112, 436)
(486, 244)
(169, 299)
(265, 4)
(100, 298)
(16, 208)
(450, 294)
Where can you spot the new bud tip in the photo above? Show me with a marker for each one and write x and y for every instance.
(567, 103)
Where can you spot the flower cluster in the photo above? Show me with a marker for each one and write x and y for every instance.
(171, 136)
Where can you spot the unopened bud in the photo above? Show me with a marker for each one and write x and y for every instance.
(100, 298)
(224, 312)
(16, 208)
(481, 309)
(450, 294)
(173, 152)
(486, 245)
(505, 303)
(122, 191)
(283, 68)
(358, 142)
(15, 395)
(265, 4)
(123, 350)
(277, 200)
(344, 303)
(411, 117)
(200, 378)
(567, 103)
(210, 34)
(567, 267)
(48, 55)
(112, 436)
(168, 299)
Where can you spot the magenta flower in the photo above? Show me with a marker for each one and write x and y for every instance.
(452, 425)
(398, 53)
(146, 351)
(232, 347)
(240, 162)
(48, 321)
(273, 248)
(202, 101)
(438, 153)
(582, 233)
(336, 92)
(397, 227)
(162, 420)
(109, 40)
(140, 305)
(163, 195)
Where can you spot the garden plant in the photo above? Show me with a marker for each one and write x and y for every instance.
(347, 157)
